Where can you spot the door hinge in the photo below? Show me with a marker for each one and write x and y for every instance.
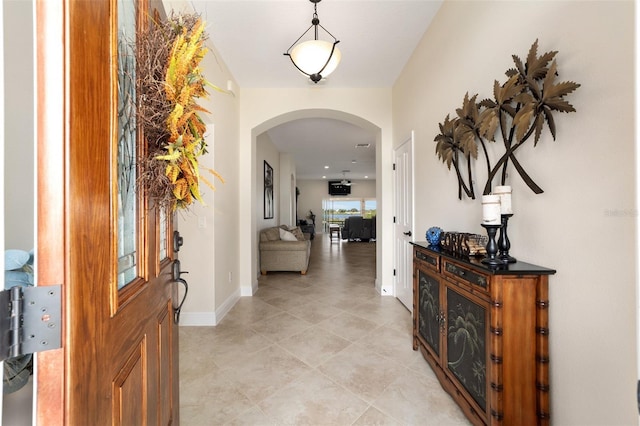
(394, 272)
(30, 320)
(394, 219)
(394, 166)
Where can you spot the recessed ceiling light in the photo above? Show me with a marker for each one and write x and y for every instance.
(324, 177)
(366, 177)
(326, 167)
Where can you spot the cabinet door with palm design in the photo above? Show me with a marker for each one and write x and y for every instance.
(429, 310)
(466, 355)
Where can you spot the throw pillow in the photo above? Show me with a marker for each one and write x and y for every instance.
(270, 234)
(287, 236)
(297, 232)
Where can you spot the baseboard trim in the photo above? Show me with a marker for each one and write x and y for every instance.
(383, 290)
(198, 319)
(249, 290)
(207, 319)
(227, 305)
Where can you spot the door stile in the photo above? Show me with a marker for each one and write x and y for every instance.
(51, 244)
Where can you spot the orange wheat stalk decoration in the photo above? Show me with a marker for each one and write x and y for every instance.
(184, 83)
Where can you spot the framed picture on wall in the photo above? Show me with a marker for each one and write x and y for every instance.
(268, 191)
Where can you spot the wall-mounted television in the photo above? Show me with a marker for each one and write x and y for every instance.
(336, 187)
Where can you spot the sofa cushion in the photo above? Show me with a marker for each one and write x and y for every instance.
(298, 233)
(285, 245)
(287, 236)
(270, 234)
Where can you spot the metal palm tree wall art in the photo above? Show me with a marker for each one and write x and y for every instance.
(519, 110)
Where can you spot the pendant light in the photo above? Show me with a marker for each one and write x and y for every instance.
(315, 58)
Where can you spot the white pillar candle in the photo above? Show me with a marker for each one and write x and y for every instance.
(491, 210)
(505, 199)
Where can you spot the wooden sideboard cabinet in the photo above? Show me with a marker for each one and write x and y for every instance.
(484, 331)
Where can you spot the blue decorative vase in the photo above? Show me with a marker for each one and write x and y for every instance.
(433, 235)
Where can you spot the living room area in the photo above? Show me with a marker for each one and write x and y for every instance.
(349, 219)
(323, 171)
(314, 188)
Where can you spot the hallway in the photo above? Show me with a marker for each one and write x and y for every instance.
(318, 349)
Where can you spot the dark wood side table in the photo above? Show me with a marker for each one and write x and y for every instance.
(484, 331)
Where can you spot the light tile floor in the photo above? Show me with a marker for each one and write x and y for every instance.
(316, 349)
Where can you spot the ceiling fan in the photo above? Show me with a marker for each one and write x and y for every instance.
(344, 181)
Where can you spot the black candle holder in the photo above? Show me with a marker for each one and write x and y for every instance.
(492, 247)
(503, 242)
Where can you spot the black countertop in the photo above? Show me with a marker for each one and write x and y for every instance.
(517, 268)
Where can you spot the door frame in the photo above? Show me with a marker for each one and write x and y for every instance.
(51, 113)
(2, 236)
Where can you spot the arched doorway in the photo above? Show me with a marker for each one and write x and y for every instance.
(247, 289)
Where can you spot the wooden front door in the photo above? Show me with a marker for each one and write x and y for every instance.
(97, 234)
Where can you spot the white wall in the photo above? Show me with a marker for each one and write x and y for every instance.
(311, 194)
(284, 172)
(287, 183)
(262, 109)
(361, 188)
(584, 223)
(210, 251)
(267, 151)
(19, 152)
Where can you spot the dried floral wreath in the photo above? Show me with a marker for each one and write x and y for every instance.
(521, 107)
(169, 81)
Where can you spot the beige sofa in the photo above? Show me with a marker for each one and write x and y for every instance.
(281, 255)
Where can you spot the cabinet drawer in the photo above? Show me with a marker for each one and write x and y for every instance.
(429, 259)
(461, 273)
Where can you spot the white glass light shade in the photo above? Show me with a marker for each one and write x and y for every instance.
(311, 56)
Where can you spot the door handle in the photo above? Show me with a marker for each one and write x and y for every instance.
(176, 276)
(408, 234)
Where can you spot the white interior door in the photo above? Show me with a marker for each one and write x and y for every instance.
(403, 235)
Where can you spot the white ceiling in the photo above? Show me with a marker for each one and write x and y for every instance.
(320, 142)
(377, 37)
